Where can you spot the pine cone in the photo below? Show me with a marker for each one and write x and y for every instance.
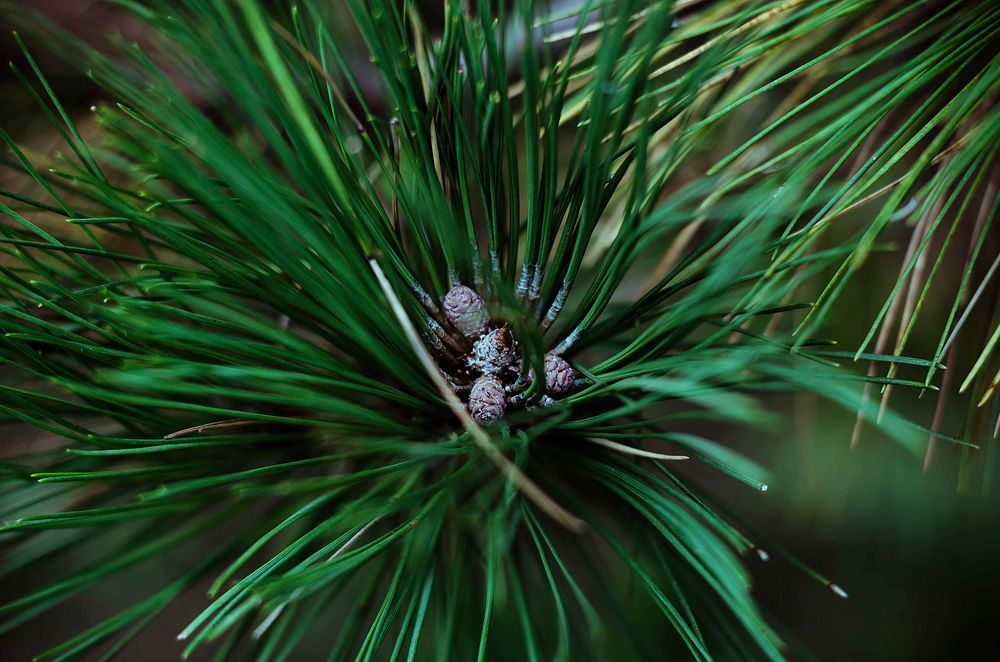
(494, 352)
(559, 376)
(486, 400)
(466, 310)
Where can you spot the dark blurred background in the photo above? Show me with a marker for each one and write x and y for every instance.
(918, 554)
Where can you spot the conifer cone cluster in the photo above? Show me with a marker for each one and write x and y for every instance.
(490, 370)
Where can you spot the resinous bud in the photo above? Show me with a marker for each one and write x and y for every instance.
(494, 352)
(466, 311)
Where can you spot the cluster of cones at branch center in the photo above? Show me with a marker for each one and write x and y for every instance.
(488, 371)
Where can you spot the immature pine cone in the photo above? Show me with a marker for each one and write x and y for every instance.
(559, 376)
(486, 400)
(466, 311)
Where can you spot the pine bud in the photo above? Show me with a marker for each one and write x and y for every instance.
(559, 375)
(494, 352)
(486, 400)
(466, 310)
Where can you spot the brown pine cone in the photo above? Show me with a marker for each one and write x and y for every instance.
(486, 400)
(466, 310)
(559, 376)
